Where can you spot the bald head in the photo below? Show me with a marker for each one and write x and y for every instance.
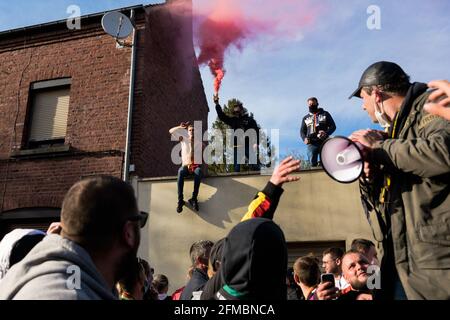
(354, 269)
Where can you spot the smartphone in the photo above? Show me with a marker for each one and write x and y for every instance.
(327, 277)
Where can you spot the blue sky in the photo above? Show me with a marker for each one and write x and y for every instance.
(274, 77)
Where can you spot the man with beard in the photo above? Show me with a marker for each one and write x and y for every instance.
(316, 126)
(99, 240)
(354, 271)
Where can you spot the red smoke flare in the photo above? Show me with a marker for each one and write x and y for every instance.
(231, 22)
(218, 72)
(215, 36)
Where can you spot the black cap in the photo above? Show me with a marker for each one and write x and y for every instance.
(380, 73)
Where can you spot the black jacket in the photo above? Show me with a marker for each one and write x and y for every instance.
(211, 287)
(254, 262)
(323, 121)
(197, 282)
(263, 206)
(244, 122)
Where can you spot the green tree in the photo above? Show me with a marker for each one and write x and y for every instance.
(265, 149)
(296, 154)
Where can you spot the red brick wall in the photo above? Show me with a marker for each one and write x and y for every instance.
(98, 93)
(43, 183)
(168, 90)
(172, 89)
(97, 113)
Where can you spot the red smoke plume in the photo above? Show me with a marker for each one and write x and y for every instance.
(215, 36)
(230, 22)
(218, 72)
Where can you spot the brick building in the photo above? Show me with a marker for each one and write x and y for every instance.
(64, 106)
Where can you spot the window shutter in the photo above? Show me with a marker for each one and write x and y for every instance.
(49, 115)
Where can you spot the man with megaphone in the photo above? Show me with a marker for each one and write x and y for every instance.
(405, 185)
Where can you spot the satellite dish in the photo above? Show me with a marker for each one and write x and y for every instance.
(117, 25)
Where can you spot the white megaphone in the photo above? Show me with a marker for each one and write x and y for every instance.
(342, 159)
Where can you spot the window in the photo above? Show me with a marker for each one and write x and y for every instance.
(49, 111)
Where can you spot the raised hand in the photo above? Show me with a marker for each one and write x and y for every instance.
(439, 100)
(281, 173)
(54, 228)
(327, 291)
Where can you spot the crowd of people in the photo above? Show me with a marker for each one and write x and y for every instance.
(92, 252)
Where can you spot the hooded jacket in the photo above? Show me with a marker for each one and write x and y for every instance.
(8, 243)
(312, 123)
(254, 262)
(244, 122)
(263, 206)
(55, 269)
(413, 222)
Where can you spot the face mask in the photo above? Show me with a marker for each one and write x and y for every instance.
(382, 117)
(313, 108)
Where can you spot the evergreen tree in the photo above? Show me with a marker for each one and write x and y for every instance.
(265, 147)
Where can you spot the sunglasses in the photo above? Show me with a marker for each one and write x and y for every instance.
(141, 217)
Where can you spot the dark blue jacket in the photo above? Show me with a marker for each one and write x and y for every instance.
(197, 282)
(312, 123)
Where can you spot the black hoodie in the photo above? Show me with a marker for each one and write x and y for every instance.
(312, 123)
(254, 262)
